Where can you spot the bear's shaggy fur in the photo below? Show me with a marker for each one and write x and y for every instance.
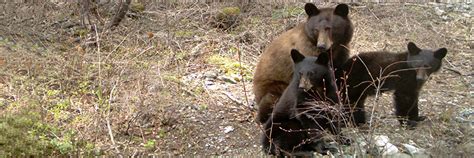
(405, 73)
(296, 124)
(326, 30)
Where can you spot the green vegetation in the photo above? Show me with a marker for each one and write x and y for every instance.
(230, 11)
(150, 145)
(24, 133)
(184, 33)
(231, 67)
(137, 7)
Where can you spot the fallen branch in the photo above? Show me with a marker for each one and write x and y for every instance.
(455, 71)
(231, 97)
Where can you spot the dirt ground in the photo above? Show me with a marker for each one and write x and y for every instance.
(168, 82)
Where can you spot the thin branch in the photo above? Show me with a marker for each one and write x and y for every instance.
(109, 127)
(232, 98)
(453, 67)
(242, 76)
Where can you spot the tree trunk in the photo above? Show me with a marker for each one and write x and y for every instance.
(122, 11)
(85, 18)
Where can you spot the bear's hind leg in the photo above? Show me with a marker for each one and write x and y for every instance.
(358, 115)
(265, 107)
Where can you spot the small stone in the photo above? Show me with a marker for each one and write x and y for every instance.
(208, 83)
(412, 149)
(228, 129)
(384, 145)
(444, 17)
(466, 7)
(450, 6)
(466, 15)
(438, 11)
(465, 116)
(211, 74)
(227, 79)
(398, 155)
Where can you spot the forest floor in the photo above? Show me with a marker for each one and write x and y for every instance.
(168, 82)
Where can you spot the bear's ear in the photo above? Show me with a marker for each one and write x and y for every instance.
(296, 56)
(311, 9)
(413, 49)
(440, 53)
(323, 59)
(342, 10)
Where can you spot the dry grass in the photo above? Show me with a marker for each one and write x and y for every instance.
(148, 79)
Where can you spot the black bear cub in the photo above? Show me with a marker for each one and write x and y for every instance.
(295, 123)
(405, 73)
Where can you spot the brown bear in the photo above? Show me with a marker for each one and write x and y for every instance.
(325, 30)
(405, 73)
(301, 114)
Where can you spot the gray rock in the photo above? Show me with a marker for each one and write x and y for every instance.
(210, 75)
(398, 155)
(228, 129)
(467, 15)
(465, 116)
(450, 6)
(227, 79)
(412, 149)
(420, 155)
(384, 146)
(466, 6)
(444, 17)
(438, 11)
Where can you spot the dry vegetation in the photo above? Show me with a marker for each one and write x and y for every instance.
(168, 82)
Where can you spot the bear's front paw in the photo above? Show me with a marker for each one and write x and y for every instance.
(411, 124)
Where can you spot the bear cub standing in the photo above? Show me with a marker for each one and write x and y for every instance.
(325, 30)
(296, 121)
(405, 73)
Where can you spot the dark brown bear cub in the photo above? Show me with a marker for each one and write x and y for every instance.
(325, 30)
(405, 73)
(295, 125)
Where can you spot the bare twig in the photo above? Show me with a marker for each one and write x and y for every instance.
(242, 76)
(453, 67)
(229, 95)
(107, 119)
(376, 17)
(143, 51)
(455, 71)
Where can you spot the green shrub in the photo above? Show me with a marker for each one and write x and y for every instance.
(23, 134)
